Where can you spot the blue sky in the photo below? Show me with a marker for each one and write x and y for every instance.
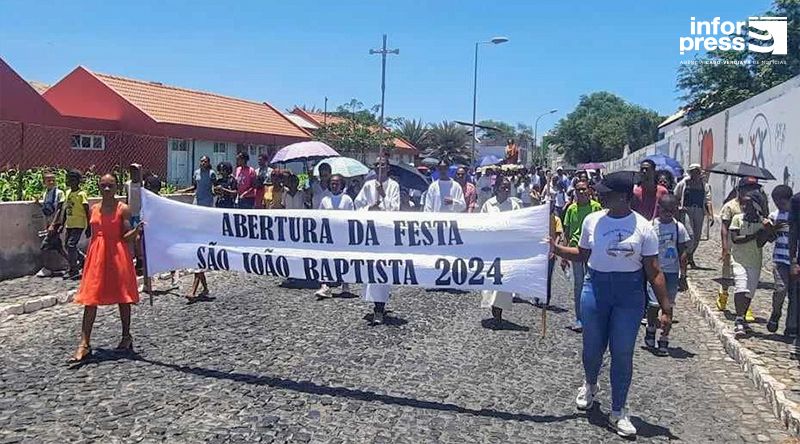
(298, 52)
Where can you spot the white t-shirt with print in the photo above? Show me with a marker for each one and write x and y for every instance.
(668, 256)
(618, 244)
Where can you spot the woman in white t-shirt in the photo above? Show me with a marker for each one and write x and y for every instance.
(617, 244)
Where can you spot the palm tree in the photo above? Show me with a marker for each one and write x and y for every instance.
(415, 132)
(449, 140)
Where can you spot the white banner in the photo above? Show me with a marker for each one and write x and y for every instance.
(498, 251)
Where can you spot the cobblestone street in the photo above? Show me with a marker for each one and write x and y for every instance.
(263, 363)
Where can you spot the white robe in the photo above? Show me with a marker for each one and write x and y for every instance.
(494, 298)
(484, 182)
(339, 201)
(437, 191)
(367, 197)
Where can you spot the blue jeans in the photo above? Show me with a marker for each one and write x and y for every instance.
(611, 309)
(672, 280)
(578, 273)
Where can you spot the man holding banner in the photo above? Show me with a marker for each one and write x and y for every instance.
(379, 194)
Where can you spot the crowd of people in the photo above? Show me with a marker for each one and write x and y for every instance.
(628, 239)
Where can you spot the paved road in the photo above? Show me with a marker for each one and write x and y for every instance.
(261, 363)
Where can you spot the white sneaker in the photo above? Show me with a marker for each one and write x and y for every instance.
(622, 423)
(44, 272)
(585, 397)
(323, 292)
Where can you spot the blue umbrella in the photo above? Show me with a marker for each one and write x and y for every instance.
(451, 171)
(491, 159)
(666, 163)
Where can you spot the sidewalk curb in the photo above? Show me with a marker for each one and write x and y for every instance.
(12, 311)
(787, 411)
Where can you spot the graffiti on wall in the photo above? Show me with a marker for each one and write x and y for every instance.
(764, 145)
(706, 137)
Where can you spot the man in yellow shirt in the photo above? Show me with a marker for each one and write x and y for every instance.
(76, 222)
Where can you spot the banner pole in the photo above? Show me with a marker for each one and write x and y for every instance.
(549, 272)
(146, 275)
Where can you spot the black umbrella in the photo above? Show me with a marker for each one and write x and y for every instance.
(405, 175)
(740, 169)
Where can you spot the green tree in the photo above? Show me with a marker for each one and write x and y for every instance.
(451, 141)
(358, 134)
(720, 79)
(601, 125)
(415, 131)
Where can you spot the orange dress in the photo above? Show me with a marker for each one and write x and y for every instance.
(108, 274)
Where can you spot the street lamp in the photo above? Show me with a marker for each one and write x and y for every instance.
(494, 41)
(535, 129)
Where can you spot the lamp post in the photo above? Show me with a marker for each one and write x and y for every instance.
(494, 41)
(535, 129)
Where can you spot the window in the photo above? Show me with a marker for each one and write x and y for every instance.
(88, 142)
(220, 147)
(179, 145)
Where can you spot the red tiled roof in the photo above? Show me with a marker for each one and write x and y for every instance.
(169, 104)
(319, 118)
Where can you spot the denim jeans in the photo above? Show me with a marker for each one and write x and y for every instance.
(247, 203)
(74, 255)
(784, 290)
(611, 309)
(578, 273)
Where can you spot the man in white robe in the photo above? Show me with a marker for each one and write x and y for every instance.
(502, 201)
(335, 199)
(444, 194)
(378, 194)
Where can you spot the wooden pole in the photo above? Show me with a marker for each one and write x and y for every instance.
(146, 274)
(549, 274)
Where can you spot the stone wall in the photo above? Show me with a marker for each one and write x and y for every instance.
(20, 223)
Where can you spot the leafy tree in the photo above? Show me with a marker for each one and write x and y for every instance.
(451, 141)
(415, 131)
(355, 135)
(521, 133)
(601, 125)
(721, 79)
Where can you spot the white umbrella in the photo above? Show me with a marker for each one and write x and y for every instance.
(345, 166)
(303, 151)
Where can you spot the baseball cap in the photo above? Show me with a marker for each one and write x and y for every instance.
(748, 181)
(618, 182)
(695, 166)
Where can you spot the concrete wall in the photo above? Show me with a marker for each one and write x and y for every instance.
(20, 252)
(762, 130)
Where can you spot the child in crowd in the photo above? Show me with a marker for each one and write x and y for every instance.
(226, 186)
(749, 231)
(673, 239)
(782, 196)
(76, 222)
(273, 192)
(51, 204)
(334, 198)
(292, 198)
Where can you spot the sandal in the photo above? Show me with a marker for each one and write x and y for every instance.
(85, 357)
(126, 344)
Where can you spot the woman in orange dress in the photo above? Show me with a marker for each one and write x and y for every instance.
(108, 273)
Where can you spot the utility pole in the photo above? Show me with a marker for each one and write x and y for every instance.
(383, 52)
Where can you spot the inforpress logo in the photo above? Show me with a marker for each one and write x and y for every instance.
(765, 34)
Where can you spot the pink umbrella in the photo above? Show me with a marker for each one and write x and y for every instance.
(304, 151)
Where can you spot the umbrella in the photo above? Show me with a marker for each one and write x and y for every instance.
(491, 159)
(451, 171)
(345, 166)
(740, 169)
(592, 166)
(303, 151)
(666, 163)
(406, 176)
(430, 162)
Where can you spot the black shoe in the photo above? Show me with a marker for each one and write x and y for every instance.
(650, 339)
(663, 348)
(772, 324)
(790, 333)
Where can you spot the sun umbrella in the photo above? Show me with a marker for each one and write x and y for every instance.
(303, 151)
(345, 166)
(405, 175)
(491, 159)
(430, 162)
(740, 169)
(666, 163)
(591, 166)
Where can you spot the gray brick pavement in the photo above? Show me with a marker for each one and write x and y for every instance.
(260, 363)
